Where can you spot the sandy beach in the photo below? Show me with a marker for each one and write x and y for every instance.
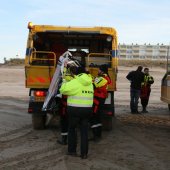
(137, 142)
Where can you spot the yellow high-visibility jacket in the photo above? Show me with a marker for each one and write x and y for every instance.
(79, 91)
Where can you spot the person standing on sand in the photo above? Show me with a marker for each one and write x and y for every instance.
(136, 78)
(79, 106)
(100, 83)
(146, 89)
(68, 74)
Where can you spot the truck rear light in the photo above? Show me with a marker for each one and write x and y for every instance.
(30, 110)
(109, 113)
(39, 93)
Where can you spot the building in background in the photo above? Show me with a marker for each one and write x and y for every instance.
(146, 51)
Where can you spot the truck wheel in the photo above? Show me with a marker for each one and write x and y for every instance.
(107, 123)
(169, 106)
(38, 121)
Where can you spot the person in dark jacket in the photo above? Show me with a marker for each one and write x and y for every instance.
(136, 78)
(146, 90)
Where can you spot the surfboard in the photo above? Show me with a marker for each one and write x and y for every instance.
(56, 80)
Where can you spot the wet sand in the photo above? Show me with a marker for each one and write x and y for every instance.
(136, 141)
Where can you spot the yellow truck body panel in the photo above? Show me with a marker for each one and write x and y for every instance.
(165, 90)
(38, 77)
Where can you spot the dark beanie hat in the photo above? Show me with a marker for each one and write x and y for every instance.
(81, 70)
(103, 68)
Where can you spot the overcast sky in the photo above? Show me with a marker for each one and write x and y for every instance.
(136, 21)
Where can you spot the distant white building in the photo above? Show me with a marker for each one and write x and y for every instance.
(135, 51)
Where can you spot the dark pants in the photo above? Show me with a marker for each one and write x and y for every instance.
(63, 115)
(95, 119)
(78, 116)
(145, 99)
(64, 125)
(134, 99)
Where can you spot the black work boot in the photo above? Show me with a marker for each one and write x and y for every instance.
(96, 134)
(63, 140)
(83, 156)
(94, 131)
(144, 110)
(99, 131)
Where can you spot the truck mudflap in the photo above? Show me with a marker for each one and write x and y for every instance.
(36, 108)
(107, 115)
(107, 110)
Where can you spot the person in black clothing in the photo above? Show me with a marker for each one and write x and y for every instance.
(68, 74)
(136, 78)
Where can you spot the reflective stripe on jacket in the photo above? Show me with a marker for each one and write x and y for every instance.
(101, 85)
(80, 101)
(148, 80)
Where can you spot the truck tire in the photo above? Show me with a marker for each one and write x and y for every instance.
(38, 121)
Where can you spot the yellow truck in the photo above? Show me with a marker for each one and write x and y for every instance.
(92, 46)
(165, 85)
